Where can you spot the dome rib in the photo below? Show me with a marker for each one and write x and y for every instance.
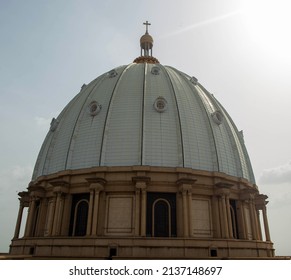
(165, 70)
(195, 132)
(196, 88)
(243, 156)
(143, 115)
(105, 128)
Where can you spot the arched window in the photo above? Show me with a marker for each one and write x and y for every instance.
(161, 218)
(79, 215)
(161, 215)
(80, 219)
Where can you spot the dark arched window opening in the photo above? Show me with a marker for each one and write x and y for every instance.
(79, 215)
(161, 218)
(80, 220)
(161, 214)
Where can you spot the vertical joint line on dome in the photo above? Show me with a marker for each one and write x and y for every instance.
(179, 117)
(243, 156)
(53, 136)
(107, 113)
(210, 124)
(142, 116)
(77, 120)
(207, 116)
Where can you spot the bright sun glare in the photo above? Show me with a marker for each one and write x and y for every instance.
(268, 24)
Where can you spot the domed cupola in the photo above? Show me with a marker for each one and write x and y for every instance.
(143, 163)
(146, 48)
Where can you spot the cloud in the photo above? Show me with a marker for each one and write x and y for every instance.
(43, 123)
(277, 175)
(15, 178)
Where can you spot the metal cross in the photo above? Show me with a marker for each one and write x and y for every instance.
(146, 24)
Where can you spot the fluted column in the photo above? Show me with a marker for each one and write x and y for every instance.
(97, 191)
(215, 217)
(19, 219)
(185, 214)
(224, 222)
(56, 204)
(137, 212)
(185, 187)
(90, 212)
(56, 222)
(50, 219)
(141, 183)
(266, 224)
(96, 185)
(31, 213)
(143, 212)
(260, 202)
(190, 212)
(259, 225)
(60, 190)
(223, 192)
(23, 202)
(253, 218)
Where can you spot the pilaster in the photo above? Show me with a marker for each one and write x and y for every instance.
(141, 183)
(185, 187)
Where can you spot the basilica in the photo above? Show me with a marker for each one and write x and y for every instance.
(143, 163)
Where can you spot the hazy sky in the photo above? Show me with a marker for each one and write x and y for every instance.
(239, 50)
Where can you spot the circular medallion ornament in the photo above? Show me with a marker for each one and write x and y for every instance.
(94, 108)
(160, 104)
(155, 70)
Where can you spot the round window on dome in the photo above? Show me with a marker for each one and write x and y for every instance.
(160, 104)
(112, 73)
(155, 70)
(54, 124)
(194, 80)
(94, 108)
(217, 116)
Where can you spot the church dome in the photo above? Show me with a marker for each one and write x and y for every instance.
(144, 114)
(143, 163)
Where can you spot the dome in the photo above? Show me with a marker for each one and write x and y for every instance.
(143, 163)
(146, 39)
(144, 114)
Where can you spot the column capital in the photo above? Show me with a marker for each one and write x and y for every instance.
(185, 184)
(60, 186)
(248, 194)
(96, 184)
(35, 190)
(222, 192)
(260, 201)
(24, 198)
(186, 181)
(141, 182)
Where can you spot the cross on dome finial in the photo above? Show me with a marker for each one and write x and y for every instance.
(147, 24)
(146, 47)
